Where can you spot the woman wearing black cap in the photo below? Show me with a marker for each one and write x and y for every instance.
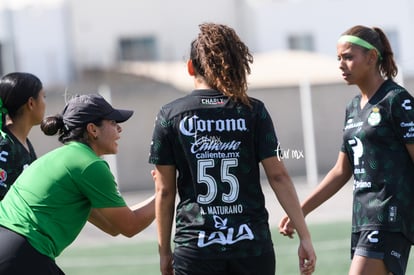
(52, 199)
(22, 106)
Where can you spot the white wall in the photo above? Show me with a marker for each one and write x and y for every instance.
(263, 24)
(6, 41)
(327, 19)
(36, 41)
(41, 43)
(97, 25)
(51, 40)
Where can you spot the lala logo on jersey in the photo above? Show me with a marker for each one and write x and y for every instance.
(223, 237)
(374, 117)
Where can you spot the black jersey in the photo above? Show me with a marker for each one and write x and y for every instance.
(216, 145)
(14, 157)
(374, 140)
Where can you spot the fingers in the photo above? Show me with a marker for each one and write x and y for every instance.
(307, 257)
(307, 267)
(286, 228)
(153, 174)
(283, 221)
(166, 265)
(287, 234)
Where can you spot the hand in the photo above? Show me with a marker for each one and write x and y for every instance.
(307, 257)
(166, 265)
(153, 175)
(286, 227)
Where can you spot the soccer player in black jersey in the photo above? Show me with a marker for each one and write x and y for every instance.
(378, 150)
(207, 147)
(22, 106)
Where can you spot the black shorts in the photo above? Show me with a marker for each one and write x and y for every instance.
(391, 247)
(264, 265)
(18, 257)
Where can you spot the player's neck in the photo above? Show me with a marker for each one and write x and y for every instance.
(369, 88)
(20, 131)
(200, 83)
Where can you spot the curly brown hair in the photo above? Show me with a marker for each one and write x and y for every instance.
(222, 59)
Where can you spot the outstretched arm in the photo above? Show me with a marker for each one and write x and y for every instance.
(122, 219)
(127, 221)
(336, 178)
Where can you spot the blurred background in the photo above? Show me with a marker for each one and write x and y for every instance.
(134, 53)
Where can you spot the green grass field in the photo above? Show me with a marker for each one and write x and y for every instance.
(331, 243)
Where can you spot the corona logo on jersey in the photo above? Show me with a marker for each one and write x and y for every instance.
(190, 126)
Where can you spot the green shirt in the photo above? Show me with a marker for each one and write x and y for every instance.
(51, 200)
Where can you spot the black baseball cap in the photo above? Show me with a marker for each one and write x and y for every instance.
(83, 109)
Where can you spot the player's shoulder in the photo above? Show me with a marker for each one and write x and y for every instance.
(353, 102)
(176, 106)
(396, 95)
(5, 140)
(394, 89)
(256, 103)
(176, 102)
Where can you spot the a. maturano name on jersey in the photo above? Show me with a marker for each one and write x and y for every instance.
(216, 146)
(374, 140)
